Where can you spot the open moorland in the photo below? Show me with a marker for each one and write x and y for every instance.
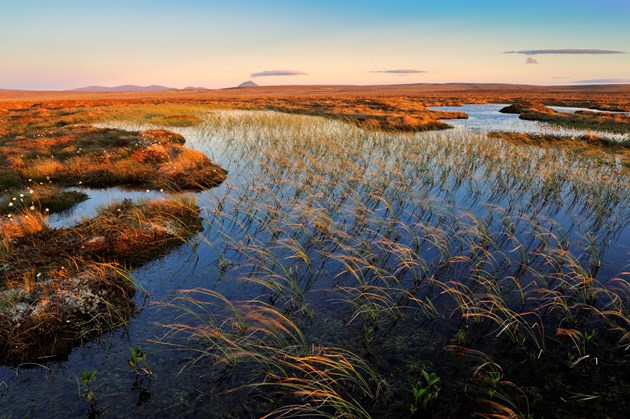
(315, 251)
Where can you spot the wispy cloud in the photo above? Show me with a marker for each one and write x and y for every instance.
(399, 71)
(531, 60)
(565, 51)
(269, 73)
(597, 81)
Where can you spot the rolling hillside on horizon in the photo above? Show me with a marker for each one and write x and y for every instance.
(123, 88)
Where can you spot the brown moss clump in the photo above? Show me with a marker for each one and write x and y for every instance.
(162, 137)
(61, 286)
(527, 107)
(65, 307)
(43, 198)
(106, 157)
(583, 119)
(602, 121)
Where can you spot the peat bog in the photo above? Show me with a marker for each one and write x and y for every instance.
(336, 271)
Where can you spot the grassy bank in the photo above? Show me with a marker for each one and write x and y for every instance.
(601, 121)
(59, 287)
(605, 151)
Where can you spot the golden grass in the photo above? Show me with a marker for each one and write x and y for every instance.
(377, 219)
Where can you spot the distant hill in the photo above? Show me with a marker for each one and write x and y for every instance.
(195, 88)
(248, 83)
(124, 88)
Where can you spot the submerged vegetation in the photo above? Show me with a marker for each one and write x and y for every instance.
(497, 248)
(378, 274)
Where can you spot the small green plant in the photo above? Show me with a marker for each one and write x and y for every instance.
(424, 391)
(495, 378)
(138, 362)
(368, 334)
(86, 379)
(460, 336)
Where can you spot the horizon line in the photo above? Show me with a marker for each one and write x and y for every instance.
(167, 88)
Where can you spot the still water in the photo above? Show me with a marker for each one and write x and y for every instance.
(486, 117)
(183, 388)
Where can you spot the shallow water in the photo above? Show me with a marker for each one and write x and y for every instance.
(573, 110)
(179, 389)
(486, 117)
(97, 198)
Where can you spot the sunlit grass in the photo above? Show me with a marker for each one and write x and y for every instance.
(513, 252)
(509, 242)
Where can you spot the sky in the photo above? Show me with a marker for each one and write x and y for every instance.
(64, 44)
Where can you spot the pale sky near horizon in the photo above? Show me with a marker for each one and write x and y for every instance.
(65, 44)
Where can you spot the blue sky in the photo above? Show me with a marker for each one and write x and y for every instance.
(65, 43)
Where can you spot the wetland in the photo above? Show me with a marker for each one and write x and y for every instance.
(322, 269)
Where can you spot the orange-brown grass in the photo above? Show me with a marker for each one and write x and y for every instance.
(104, 157)
(581, 119)
(59, 286)
(584, 119)
(21, 225)
(388, 108)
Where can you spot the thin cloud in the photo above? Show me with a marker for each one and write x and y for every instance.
(597, 81)
(565, 51)
(531, 60)
(270, 73)
(399, 71)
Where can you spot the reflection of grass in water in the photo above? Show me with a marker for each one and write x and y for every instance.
(505, 241)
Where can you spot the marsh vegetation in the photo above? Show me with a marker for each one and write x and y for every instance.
(340, 272)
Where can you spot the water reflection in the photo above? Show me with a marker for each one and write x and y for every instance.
(486, 117)
(319, 205)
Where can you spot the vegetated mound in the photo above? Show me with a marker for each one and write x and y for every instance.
(43, 198)
(59, 287)
(527, 107)
(376, 115)
(105, 157)
(582, 119)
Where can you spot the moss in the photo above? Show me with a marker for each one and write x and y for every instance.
(107, 157)
(46, 199)
(60, 286)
